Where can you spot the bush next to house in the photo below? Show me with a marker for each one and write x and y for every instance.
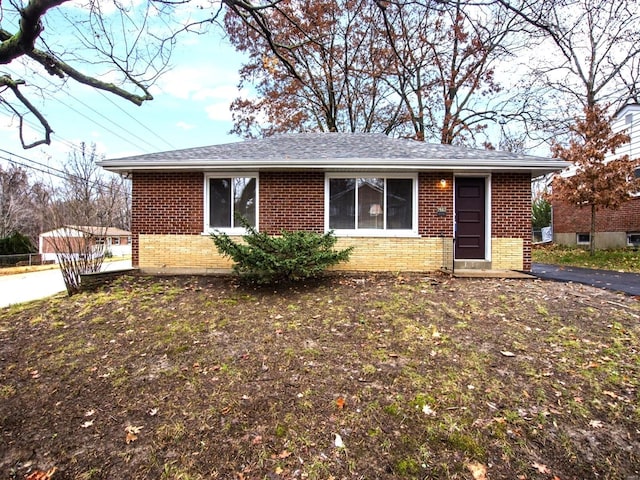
(291, 256)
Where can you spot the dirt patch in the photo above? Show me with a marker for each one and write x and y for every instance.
(372, 377)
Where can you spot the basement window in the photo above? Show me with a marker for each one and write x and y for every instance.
(583, 238)
(633, 239)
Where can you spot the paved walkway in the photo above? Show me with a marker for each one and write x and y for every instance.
(621, 282)
(24, 287)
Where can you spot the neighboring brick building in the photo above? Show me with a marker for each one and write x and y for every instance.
(80, 239)
(614, 228)
(397, 201)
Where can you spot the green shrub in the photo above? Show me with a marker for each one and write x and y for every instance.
(288, 257)
(16, 244)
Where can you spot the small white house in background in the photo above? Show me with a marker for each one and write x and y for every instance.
(628, 119)
(71, 238)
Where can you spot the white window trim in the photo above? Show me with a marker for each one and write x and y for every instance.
(629, 243)
(578, 242)
(372, 232)
(207, 229)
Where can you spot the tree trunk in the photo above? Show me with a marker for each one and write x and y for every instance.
(592, 236)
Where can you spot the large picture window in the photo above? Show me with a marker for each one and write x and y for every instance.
(230, 197)
(371, 204)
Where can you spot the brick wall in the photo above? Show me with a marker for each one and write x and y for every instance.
(571, 219)
(197, 254)
(511, 210)
(431, 196)
(166, 203)
(291, 201)
(506, 254)
(168, 214)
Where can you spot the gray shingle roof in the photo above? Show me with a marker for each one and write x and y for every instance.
(334, 152)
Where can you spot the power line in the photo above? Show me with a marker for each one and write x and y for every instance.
(152, 132)
(61, 174)
(118, 125)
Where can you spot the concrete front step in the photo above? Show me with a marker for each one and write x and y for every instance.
(488, 273)
(472, 265)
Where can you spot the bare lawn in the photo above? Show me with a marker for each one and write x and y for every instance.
(351, 377)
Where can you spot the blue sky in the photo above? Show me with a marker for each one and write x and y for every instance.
(190, 108)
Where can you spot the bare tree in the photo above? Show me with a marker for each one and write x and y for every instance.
(593, 52)
(118, 47)
(319, 68)
(444, 59)
(88, 204)
(21, 202)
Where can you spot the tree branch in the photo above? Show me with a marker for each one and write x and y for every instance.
(8, 82)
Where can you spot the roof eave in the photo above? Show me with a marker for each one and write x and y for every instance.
(240, 166)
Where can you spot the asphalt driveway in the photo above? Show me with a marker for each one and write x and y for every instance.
(628, 283)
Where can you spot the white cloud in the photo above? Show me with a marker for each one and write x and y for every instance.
(219, 111)
(228, 92)
(197, 83)
(185, 126)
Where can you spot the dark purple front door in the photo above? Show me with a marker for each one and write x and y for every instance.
(470, 218)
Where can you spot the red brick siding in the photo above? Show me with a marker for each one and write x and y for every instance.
(291, 201)
(431, 196)
(173, 203)
(511, 209)
(166, 203)
(572, 219)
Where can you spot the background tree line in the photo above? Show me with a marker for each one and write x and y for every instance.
(510, 74)
(80, 193)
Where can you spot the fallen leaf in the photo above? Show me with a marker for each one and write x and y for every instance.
(427, 410)
(541, 468)
(596, 424)
(278, 470)
(132, 433)
(132, 429)
(340, 403)
(478, 470)
(338, 441)
(284, 454)
(40, 475)
(507, 353)
(153, 412)
(89, 413)
(87, 424)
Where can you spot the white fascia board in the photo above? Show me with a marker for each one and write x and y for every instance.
(341, 165)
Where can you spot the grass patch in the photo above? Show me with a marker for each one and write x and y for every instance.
(228, 381)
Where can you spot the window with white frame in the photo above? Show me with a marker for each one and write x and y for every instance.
(371, 204)
(229, 197)
(583, 238)
(633, 239)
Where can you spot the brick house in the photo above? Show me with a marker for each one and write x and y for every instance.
(614, 228)
(397, 201)
(80, 239)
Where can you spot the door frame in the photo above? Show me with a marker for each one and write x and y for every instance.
(487, 212)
